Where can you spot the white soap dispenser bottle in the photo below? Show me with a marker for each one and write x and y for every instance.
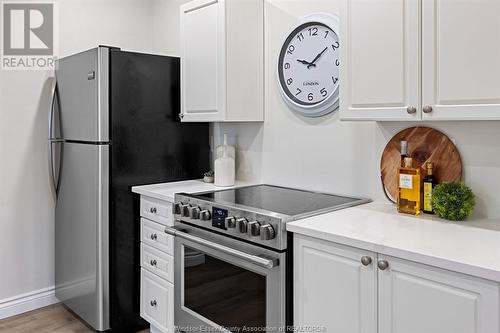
(224, 166)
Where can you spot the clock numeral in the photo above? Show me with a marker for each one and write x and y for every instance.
(300, 37)
(310, 97)
(335, 45)
(323, 92)
(313, 31)
(326, 33)
(287, 65)
(291, 48)
(337, 62)
(335, 79)
(289, 81)
(298, 91)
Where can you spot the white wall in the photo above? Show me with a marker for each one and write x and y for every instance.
(26, 203)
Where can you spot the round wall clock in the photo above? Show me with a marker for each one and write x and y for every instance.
(308, 66)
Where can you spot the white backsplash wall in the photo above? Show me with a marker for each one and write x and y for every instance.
(321, 154)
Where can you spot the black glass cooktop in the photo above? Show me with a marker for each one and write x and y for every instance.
(282, 200)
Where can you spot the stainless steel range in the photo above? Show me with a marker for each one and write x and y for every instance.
(233, 255)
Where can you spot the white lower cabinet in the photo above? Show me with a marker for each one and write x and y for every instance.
(419, 298)
(340, 288)
(332, 288)
(157, 265)
(157, 301)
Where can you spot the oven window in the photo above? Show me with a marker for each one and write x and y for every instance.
(228, 295)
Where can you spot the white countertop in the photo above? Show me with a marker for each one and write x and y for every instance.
(166, 191)
(470, 247)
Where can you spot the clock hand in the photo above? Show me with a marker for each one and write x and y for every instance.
(313, 63)
(306, 63)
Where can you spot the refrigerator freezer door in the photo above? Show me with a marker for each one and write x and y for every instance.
(81, 233)
(82, 84)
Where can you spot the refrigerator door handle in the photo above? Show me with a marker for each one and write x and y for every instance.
(52, 140)
(53, 96)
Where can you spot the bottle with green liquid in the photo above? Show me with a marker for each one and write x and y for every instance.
(429, 183)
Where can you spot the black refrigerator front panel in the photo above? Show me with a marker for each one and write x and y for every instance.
(148, 145)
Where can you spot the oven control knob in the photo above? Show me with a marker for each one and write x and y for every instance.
(267, 232)
(242, 225)
(178, 208)
(194, 213)
(205, 215)
(254, 228)
(230, 222)
(185, 210)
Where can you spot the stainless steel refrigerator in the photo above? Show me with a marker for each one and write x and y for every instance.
(113, 124)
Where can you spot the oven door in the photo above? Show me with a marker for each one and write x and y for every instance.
(223, 284)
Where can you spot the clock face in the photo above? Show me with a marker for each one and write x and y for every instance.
(308, 66)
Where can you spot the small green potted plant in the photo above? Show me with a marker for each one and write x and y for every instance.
(208, 177)
(453, 201)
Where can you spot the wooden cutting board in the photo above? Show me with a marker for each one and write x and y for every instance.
(424, 145)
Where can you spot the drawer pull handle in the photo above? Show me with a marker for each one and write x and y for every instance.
(153, 303)
(154, 236)
(152, 210)
(153, 262)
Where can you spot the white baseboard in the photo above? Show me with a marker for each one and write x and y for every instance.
(26, 302)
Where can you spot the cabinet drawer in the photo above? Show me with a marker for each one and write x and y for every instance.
(157, 301)
(157, 210)
(154, 234)
(157, 262)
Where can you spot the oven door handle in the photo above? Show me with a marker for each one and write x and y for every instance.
(257, 260)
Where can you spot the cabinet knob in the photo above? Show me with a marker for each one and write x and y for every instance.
(154, 236)
(411, 110)
(181, 115)
(153, 303)
(153, 262)
(366, 260)
(383, 264)
(427, 109)
(152, 210)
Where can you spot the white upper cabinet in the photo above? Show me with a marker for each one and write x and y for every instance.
(222, 60)
(420, 59)
(461, 59)
(380, 71)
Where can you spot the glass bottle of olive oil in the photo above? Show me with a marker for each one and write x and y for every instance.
(409, 182)
(429, 183)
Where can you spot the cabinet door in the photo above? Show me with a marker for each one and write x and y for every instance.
(461, 59)
(423, 299)
(203, 60)
(380, 60)
(157, 302)
(332, 288)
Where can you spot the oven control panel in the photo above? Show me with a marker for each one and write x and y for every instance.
(219, 216)
(249, 225)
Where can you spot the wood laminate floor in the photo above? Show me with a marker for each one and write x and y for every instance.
(54, 318)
